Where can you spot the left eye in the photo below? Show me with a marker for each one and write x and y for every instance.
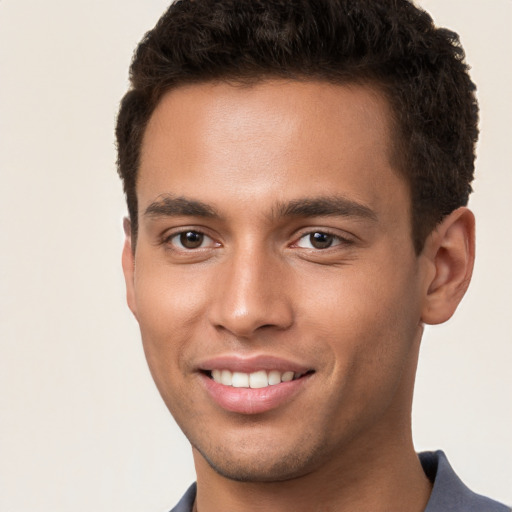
(190, 240)
(318, 240)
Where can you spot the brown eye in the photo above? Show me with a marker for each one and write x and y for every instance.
(189, 239)
(321, 240)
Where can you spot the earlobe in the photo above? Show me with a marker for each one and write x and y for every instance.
(128, 261)
(451, 249)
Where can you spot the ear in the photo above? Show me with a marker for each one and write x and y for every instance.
(128, 260)
(451, 250)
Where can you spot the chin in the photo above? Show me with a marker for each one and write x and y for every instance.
(265, 465)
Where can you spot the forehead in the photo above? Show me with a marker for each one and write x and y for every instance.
(229, 141)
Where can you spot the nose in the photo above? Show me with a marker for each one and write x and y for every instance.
(251, 295)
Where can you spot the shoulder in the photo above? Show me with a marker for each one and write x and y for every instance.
(187, 501)
(449, 493)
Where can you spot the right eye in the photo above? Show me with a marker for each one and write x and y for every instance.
(189, 240)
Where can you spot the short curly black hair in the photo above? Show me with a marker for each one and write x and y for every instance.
(390, 44)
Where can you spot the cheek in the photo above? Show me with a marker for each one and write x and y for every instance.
(167, 299)
(370, 317)
(362, 297)
(169, 307)
(367, 335)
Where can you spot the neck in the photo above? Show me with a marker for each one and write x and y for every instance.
(389, 481)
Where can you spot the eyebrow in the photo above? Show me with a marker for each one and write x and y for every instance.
(330, 206)
(170, 206)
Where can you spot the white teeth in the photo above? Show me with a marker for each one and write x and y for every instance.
(258, 379)
(287, 376)
(274, 377)
(240, 380)
(255, 380)
(226, 378)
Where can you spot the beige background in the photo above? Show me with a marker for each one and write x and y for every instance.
(82, 427)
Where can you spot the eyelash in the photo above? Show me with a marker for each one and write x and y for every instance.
(336, 240)
(167, 240)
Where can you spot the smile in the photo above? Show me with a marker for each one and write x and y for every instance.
(255, 380)
(254, 385)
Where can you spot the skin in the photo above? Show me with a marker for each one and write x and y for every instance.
(353, 312)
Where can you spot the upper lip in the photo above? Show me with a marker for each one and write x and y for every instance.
(245, 364)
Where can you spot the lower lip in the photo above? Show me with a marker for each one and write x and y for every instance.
(253, 401)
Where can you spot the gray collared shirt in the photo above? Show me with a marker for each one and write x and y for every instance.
(449, 494)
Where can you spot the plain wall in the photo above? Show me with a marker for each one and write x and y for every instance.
(81, 424)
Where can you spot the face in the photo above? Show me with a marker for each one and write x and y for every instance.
(274, 278)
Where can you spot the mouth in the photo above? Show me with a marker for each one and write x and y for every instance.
(254, 385)
(255, 380)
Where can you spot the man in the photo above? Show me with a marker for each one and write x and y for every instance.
(297, 174)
